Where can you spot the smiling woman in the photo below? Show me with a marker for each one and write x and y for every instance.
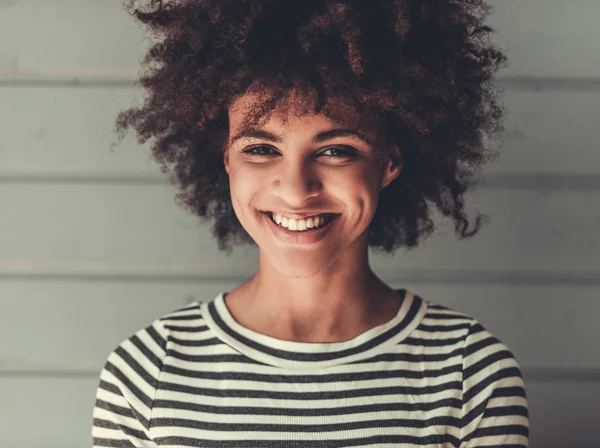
(316, 130)
(295, 176)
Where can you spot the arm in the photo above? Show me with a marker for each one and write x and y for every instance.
(125, 393)
(495, 407)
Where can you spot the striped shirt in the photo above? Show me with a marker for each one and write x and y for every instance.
(430, 377)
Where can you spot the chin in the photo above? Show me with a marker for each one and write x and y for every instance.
(299, 265)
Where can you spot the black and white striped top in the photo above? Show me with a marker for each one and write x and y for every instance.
(430, 377)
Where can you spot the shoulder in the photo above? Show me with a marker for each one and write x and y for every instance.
(129, 380)
(474, 337)
(494, 400)
(484, 356)
(490, 368)
(144, 351)
(442, 322)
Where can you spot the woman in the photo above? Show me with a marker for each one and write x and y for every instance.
(315, 130)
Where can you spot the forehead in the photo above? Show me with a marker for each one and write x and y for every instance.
(291, 111)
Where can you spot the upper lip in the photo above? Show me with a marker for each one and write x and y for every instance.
(300, 215)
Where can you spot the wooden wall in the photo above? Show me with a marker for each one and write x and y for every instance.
(93, 247)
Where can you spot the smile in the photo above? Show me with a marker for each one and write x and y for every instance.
(302, 225)
(303, 233)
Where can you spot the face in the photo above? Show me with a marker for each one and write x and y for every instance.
(302, 167)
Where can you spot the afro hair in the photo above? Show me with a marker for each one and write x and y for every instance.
(417, 72)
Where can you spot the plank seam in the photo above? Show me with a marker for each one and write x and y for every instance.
(414, 276)
(75, 80)
(490, 181)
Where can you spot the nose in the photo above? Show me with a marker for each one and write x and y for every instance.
(295, 182)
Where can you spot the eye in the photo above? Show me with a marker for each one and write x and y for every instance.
(341, 152)
(263, 151)
(253, 152)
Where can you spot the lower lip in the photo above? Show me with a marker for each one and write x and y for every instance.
(302, 237)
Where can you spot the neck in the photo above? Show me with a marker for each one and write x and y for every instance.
(333, 305)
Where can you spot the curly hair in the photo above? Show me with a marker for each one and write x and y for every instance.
(417, 72)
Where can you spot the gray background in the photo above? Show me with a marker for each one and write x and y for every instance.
(93, 247)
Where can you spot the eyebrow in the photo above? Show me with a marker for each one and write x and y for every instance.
(319, 138)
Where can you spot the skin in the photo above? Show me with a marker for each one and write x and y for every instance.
(323, 292)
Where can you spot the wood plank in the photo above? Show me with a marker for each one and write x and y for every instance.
(548, 38)
(563, 415)
(66, 37)
(72, 326)
(100, 314)
(57, 130)
(65, 133)
(550, 132)
(47, 412)
(60, 409)
(112, 229)
(544, 38)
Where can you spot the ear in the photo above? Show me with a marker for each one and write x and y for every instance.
(226, 160)
(392, 168)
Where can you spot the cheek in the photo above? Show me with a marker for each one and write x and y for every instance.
(359, 183)
(245, 185)
(356, 198)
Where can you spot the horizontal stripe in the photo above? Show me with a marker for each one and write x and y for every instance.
(309, 412)
(426, 441)
(372, 391)
(250, 427)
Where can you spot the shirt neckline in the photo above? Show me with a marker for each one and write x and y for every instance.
(298, 355)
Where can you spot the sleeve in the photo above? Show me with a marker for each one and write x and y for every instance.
(495, 408)
(128, 382)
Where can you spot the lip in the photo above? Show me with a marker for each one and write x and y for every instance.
(306, 237)
(299, 215)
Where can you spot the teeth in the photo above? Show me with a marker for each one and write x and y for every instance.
(300, 224)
